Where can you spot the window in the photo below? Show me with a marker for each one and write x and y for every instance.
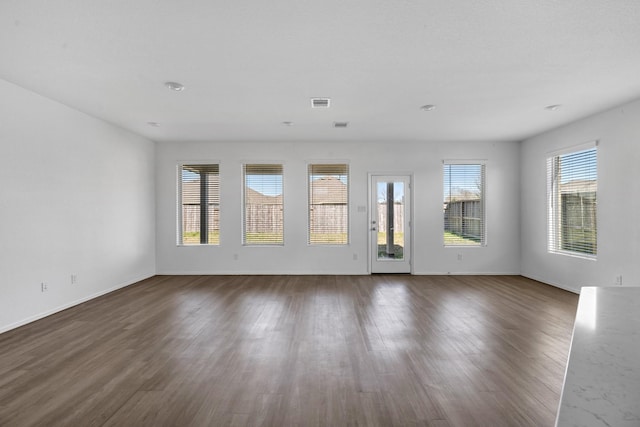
(263, 205)
(199, 204)
(464, 213)
(572, 184)
(328, 204)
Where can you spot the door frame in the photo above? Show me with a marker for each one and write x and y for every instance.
(370, 176)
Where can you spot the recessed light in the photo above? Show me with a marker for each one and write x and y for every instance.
(554, 107)
(174, 86)
(340, 124)
(428, 107)
(320, 102)
(287, 123)
(154, 124)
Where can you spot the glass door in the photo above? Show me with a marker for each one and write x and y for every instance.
(390, 219)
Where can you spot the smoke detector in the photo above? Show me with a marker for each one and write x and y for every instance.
(178, 87)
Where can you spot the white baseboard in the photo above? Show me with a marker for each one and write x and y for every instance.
(39, 316)
(326, 273)
(467, 273)
(260, 273)
(546, 282)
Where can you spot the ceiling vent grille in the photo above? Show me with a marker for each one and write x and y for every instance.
(340, 124)
(320, 102)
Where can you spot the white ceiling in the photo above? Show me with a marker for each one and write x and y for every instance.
(490, 66)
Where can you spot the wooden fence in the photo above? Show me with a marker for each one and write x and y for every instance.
(579, 228)
(328, 219)
(268, 218)
(464, 218)
(398, 217)
(263, 218)
(191, 218)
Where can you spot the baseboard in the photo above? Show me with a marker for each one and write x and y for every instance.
(325, 273)
(266, 273)
(71, 304)
(467, 273)
(546, 282)
(260, 273)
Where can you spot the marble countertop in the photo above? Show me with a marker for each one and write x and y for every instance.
(602, 381)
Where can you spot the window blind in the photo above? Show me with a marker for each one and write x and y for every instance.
(199, 204)
(572, 187)
(263, 222)
(328, 204)
(463, 207)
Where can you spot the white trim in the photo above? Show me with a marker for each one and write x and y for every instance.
(553, 202)
(199, 162)
(483, 165)
(179, 166)
(464, 161)
(58, 309)
(309, 163)
(546, 282)
(467, 273)
(358, 272)
(573, 254)
(243, 195)
(410, 222)
(573, 148)
(262, 162)
(327, 162)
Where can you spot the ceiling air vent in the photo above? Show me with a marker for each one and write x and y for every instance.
(340, 124)
(320, 102)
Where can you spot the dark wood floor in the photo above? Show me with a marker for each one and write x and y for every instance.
(380, 350)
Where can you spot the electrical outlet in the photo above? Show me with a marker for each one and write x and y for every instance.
(43, 287)
(459, 257)
(355, 257)
(74, 279)
(619, 280)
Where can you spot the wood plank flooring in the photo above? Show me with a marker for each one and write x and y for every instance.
(380, 350)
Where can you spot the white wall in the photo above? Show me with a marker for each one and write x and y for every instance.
(423, 160)
(79, 196)
(618, 132)
(76, 197)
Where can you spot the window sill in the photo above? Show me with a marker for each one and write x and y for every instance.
(575, 255)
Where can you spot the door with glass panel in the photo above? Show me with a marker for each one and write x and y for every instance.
(389, 224)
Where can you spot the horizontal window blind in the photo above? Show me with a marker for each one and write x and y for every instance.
(263, 222)
(464, 213)
(199, 204)
(328, 204)
(572, 187)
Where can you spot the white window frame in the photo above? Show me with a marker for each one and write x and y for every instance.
(483, 201)
(311, 164)
(179, 204)
(266, 164)
(554, 203)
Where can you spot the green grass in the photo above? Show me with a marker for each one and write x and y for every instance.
(329, 238)
(579, 240)
(193, 238)
(457, 240)
(398, 245)
(263, 239)
(398, 252)
(398, 238)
